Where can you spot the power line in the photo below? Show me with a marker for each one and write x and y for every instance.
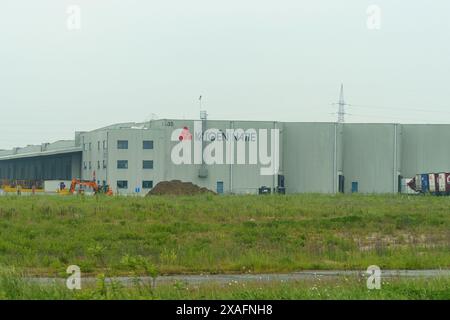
(341, 104)
(399, 108)
(391, 117)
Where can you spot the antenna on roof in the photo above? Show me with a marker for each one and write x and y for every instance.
(151, 117)
(203, 113)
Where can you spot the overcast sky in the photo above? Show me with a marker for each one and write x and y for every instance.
(250, 59)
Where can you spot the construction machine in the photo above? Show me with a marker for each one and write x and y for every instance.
(80, 186)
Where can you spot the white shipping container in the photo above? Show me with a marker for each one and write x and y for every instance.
(418, 182)
(432, 182)
(442, 182)
(52, 186)
(404, 188)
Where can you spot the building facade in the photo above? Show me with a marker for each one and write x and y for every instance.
(309, 157)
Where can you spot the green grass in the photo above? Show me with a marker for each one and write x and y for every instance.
(219, 234)
(14, 287)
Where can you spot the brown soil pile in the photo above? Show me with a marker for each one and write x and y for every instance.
(177, 188)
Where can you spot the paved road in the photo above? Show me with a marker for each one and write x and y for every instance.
(284, 277)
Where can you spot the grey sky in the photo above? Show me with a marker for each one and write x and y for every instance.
(255, 59)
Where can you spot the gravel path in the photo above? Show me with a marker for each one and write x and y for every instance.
(284, 277)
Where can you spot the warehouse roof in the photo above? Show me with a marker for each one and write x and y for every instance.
(45, 149)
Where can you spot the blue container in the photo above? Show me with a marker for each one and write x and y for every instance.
(425, 184)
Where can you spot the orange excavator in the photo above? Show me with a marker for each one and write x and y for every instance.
(84, 185)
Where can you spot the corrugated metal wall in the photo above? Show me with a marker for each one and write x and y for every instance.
(371, 157)
(309, 157)
(425, 148)
(63, 167)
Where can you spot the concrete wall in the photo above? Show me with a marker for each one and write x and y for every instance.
(95, 152)
(101, 154)
(236, 178)
(135, 154)
(190, 172)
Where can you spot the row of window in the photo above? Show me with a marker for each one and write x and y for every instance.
(99, 165)
(123, 184)
(88, 146)
(146, 144)
(121, 144)
(121, 164)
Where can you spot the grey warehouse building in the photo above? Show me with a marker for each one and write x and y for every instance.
(313, 157)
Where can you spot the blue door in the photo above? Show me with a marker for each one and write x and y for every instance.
(354, 186)
(219, 187)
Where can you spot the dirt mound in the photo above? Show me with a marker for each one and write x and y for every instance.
(177, 188)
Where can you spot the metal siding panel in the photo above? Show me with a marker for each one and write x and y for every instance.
(424, 148)
(369, 157)
(309, 157)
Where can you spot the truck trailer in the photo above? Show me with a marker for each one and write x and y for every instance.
(433, 183)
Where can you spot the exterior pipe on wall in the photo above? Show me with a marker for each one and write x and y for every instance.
(395, 160)
(335, 160)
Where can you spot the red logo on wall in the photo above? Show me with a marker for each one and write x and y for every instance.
(185, 135)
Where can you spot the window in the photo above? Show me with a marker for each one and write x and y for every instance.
(122, 144)
(85, 147)
(98, 164)
(122, 164)
(147, 184)
(147, 164)
(98, 145)
(90, 146)
(122, 184)
(90, 165)
(104, 145)
(84, 165)
(147, 144)
(104, 164)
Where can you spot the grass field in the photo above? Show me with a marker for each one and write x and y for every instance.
(220, 234)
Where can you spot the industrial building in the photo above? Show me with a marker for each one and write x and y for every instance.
(313, 157)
